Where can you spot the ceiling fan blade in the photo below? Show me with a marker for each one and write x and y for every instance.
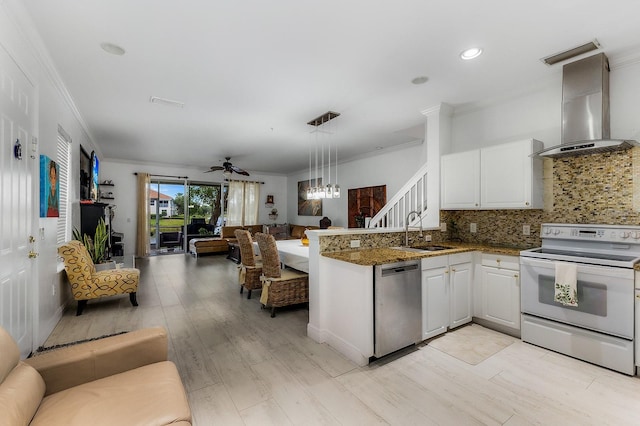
(239, 171)
(215, 168)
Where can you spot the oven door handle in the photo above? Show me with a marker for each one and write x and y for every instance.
(587, 269)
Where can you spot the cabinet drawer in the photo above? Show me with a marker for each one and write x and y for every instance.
(454, 259)
(501, 261)
(435, 262)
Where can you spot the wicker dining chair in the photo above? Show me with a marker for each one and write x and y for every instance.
(250, 268)
(280, 287)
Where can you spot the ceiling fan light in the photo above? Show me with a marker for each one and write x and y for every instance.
(227, 173)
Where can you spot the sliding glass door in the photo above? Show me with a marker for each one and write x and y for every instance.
(206, 207)
(167, 216)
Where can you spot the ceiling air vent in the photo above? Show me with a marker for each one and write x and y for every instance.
(166, 102)
(571, 53)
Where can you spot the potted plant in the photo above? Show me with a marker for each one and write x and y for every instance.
(96, 246)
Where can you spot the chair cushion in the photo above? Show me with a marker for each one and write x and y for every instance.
(152, 394)
(289, 274)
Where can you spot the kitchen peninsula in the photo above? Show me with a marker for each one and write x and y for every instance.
(341, 290)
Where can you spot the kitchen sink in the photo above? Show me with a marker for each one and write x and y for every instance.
(422, 249)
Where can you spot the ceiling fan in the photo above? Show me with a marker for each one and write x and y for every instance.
(228, 168)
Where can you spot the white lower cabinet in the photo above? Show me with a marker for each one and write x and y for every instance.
(446, 293)
(499, 290)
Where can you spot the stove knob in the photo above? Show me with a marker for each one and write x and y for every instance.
(556, 232)
(547, 231)
(636, 235)
(625, 234)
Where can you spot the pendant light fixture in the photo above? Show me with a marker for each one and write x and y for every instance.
(317, 190)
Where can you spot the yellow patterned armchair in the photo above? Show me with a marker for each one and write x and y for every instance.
(88, 284)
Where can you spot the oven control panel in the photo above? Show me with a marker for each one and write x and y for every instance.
(602, 233)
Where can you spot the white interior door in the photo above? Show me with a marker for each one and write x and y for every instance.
(16, 203)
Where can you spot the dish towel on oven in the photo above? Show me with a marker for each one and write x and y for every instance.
(566, 288)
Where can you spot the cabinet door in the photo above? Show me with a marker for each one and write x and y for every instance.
(460, 180)
(507, 176)
(460, 279)
(435, 301)
(501, 296)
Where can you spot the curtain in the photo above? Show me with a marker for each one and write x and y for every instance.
(251, 197)
(142, 219)
(242, 203)
(235, 203)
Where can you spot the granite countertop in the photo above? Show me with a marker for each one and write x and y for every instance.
(380, 256)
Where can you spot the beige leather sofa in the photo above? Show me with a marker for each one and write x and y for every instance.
(118, 380)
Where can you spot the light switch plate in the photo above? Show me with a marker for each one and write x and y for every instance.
(443, 227)
(427, 238)
(473, 228)
(526, 229)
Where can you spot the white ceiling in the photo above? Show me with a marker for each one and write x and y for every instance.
(252, 73)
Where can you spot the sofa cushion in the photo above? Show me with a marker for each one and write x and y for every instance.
(152, 394)
(253, 229)
(20, 394)
(10, 354)
(229, 231)
(297, 231)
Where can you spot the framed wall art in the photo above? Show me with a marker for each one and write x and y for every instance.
(49, 187)
(308, 207)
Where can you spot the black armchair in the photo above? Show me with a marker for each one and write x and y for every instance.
(171, 239)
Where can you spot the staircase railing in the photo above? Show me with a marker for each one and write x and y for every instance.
(411, 197)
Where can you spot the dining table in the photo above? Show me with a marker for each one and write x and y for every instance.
(293, 254)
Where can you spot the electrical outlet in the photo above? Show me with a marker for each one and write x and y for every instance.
(473, 228)
(427, 238)
(443, 227)
(53, 289)
(355, 243)
(526, 229)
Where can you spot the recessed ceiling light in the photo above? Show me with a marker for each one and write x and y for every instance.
(472, 53)
(114, 49)
(420, 80)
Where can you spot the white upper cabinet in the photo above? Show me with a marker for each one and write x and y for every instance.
(496, 177)
(460, 183)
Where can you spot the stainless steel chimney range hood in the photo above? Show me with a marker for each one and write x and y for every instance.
(585, 111)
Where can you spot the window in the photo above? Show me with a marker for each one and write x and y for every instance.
(63, 154)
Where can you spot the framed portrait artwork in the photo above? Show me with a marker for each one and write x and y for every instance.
(308, 207)
(49, 187)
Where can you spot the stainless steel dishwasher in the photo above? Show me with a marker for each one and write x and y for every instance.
(397, 306)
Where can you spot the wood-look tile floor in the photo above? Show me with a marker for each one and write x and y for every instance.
(241, 367)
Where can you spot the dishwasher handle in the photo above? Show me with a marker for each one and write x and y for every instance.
(398, 269)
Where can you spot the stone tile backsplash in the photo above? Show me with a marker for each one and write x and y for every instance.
(596, 188)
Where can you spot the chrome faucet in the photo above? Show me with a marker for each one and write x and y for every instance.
(406, 227)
